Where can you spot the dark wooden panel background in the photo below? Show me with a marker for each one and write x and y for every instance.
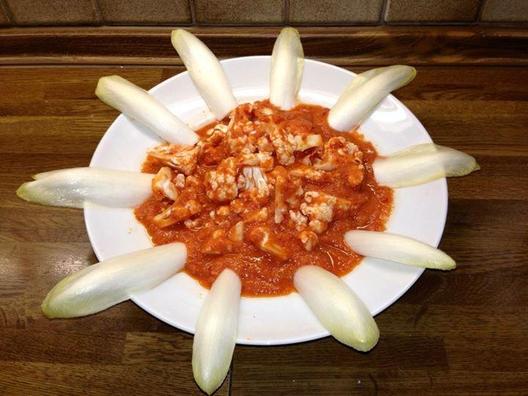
(463, 331)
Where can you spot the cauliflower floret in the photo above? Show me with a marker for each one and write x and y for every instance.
(240, 144)
(195, 224)
(221, 185)
(214, 147)
(255, 180)
(319, 208)
(183, 159)
(337, 152)
(236, 233)
(283, 148)
(220, 215)
(262, 160)
(355, 175)
(281, 180)
(308, 173)
(264, 145)
(179, 180)
(256, 216)
(305, 142)
(266, 111)
(294, 193)
(162, 184)
(218, 131)
(299, 221)
(322, 208)
(309, 239)
(177, 212)
(238, 131)
(288, 193)
(262, 238)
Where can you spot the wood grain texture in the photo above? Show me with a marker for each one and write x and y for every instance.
(462, 332)
(379, 45)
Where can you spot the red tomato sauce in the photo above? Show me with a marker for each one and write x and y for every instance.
(261, 273)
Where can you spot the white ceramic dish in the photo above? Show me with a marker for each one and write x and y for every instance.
(419, 212)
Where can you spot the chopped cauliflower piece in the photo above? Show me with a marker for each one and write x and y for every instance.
(299, 220)
(281, 179)
(177, 212)
(262, 160)
(309, 173)
(319, 208)
(162, 184)
(305, 142)
(255, 180)
(183, 159)
(221, 183)
(194, 224)
(309, 239)
(262, 238)
(236, 233)
(339, 152)
(256, 216)
(179, 180)
(355, 175)
(264, 145)
(283, 148)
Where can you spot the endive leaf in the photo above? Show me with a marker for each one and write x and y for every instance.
(357, 102)
(216, 332)
(361, 79)
(110, 282)
(139, 105)
(73, 187)
(287, 63)
(337, 307)
(206, 72)
(398, 248)
(422, 163)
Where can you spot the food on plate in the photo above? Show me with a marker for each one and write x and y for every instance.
(399, 249)
(102, 285)
(264, 192)
(337, 307)
(365, 92)
(287, 63)
(77, 186)
(206, 72)
(216, 332)
(274, 196)
(137, 104)
(422, 163)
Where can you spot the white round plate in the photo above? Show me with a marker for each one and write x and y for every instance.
(419, 212)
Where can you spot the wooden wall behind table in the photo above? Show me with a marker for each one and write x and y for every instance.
(463, 331)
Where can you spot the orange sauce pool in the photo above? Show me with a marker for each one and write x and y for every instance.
(261, 273)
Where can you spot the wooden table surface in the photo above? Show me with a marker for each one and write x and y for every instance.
(463, 331)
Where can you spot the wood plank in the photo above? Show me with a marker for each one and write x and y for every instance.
(357, 381)
(155, 378)
(36, 223)
(343, 45)
(458, 332)
(327, 367)
(55, 346)
(431, 316)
